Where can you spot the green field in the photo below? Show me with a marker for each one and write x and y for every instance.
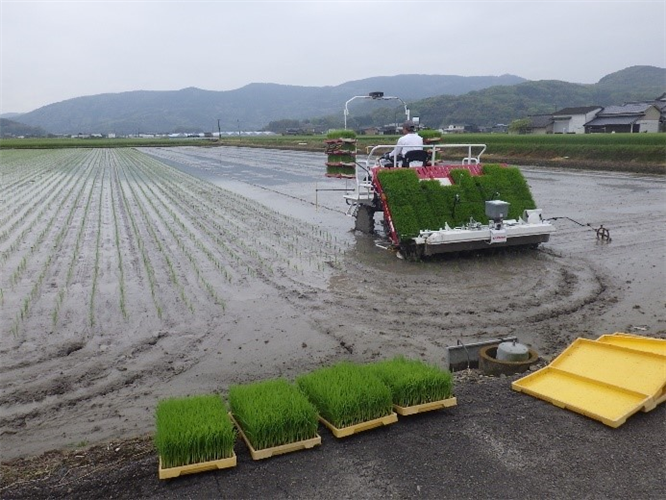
(631, 150)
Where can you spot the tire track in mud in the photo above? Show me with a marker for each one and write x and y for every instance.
(431, 305)
(423, 308)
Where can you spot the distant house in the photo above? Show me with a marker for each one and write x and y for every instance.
(371, 131)
(631, 117)
(573, 120)
(454, 129)
(499, 128)
(460, 129)
(660, 104)
(391, 129)
(540, 124)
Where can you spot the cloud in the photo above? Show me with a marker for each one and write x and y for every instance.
(57, 50)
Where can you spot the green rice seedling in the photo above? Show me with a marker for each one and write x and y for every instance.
(507, 184)
(427, 205)
(430, 136)
(413, 382)
(192, 430)
(272, 413)
(341, 134)
(346, 394)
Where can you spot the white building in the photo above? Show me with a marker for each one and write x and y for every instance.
(573, 120)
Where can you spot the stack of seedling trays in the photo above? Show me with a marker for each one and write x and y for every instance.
(348, 398)
(415, 386)
(430, 136)
(341, 154)
(194, 434)
(273, 417)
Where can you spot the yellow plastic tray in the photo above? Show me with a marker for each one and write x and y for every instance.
(639, 371)
(340, 432)
(602, 380)
(434, 405)
(171, 472)
(646, 344)
(603, 402)
(276, 450)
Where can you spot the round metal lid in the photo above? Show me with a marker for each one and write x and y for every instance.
(512, 351)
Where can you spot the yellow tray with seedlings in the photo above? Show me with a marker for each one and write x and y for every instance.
(194, 434)
(273, 417)
(304, 444)
(348, 398)
(415, 385)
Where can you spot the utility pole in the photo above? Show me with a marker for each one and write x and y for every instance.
(219, 130)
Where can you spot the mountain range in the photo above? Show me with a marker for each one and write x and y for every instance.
(436, 99)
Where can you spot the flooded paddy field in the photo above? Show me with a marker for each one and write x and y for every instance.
(132, 275)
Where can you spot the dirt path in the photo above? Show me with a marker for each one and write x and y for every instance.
(299, 289)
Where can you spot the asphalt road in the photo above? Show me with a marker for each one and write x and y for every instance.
(496, 444)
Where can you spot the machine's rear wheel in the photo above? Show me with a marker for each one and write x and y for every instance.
(365, 219)
(412, 251)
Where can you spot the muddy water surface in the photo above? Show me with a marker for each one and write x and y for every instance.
(355, 301)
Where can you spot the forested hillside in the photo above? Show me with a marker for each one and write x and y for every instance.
(504, 104)
(249, 108)
(438, 100)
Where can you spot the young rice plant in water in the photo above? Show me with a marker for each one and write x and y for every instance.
(413, 382)
(346, 394)
(272, 413)
(193, 430)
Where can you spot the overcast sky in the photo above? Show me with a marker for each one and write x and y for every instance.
(53, 50)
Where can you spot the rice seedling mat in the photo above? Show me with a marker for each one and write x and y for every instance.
(360, 427)
(434, 405)
(194, 434)
(171, 472)
(305, 444)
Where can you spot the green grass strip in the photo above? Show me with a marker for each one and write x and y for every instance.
(193, 430)
(272, 413)
(346, 394)
(413, 382)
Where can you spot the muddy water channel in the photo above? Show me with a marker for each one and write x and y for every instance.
(261, 276)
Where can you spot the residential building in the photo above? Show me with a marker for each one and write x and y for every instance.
(631, 117)
(660, 104)
(540, 124)
(573, 120)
